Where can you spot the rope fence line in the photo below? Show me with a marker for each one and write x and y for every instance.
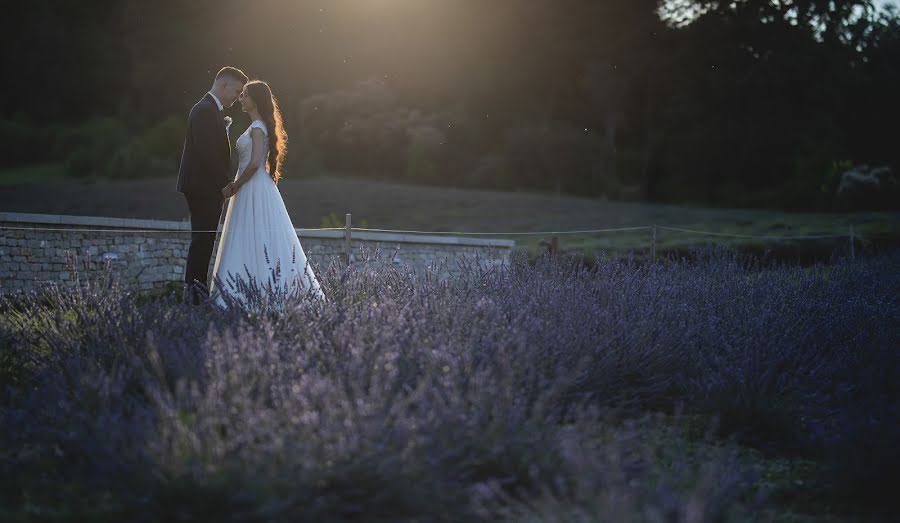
(552, 244)
(711, 233)
(398, 231)
(166, 231)
(467, 233)
(583, 231)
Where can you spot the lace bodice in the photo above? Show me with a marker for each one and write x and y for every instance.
(244, 146)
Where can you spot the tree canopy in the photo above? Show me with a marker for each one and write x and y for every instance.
(729, 102)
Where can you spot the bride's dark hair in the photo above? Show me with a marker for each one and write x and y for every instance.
(268, 109)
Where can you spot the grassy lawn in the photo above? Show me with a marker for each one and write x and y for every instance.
(32, 174)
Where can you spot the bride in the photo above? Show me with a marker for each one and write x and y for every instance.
(259, 246)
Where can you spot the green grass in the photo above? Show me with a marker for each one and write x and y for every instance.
(32, 174)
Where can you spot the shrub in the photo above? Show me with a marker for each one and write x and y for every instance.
(565, 159)
(365, 129)
(419, 166)
(80, 163)
(165, 139)
(491, 171)
(501, 392)
(22, 143)
(132, 160)
(64, 140)
(104, 147)
(304, 159)
(92, 145)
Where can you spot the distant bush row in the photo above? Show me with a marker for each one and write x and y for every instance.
(367, 130)
(104, 147)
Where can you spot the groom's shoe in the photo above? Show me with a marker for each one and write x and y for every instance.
(198, 293)
(194, 293)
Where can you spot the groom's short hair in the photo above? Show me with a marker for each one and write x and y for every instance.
(232, 72)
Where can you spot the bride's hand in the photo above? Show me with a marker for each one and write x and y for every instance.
(229, 190)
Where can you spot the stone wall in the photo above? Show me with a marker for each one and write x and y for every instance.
(37, 248)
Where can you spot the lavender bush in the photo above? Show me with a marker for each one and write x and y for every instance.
(545, 392)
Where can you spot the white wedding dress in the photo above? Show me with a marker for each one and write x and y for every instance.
(259, 245)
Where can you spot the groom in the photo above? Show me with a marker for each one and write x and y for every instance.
(205, 170)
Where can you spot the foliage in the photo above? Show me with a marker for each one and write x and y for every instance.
(725, 103)
(366, 128)
(22, 143)
(154, 152)
(105, 147)
(503, 392)
(419, 166)
(32, 174)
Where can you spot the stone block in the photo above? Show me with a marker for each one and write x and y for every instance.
(146, 277)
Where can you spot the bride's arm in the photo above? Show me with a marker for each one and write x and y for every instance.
(257, 154)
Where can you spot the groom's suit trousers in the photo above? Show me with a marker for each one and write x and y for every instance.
(205, 213)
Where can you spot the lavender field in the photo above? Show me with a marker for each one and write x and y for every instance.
(719, 388)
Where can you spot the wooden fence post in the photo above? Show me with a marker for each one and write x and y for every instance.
(653, 244)
(347, 239)
(852, 246)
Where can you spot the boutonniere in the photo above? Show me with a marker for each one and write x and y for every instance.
(227, 123)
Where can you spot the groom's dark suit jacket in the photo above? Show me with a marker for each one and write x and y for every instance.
(206, 158)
